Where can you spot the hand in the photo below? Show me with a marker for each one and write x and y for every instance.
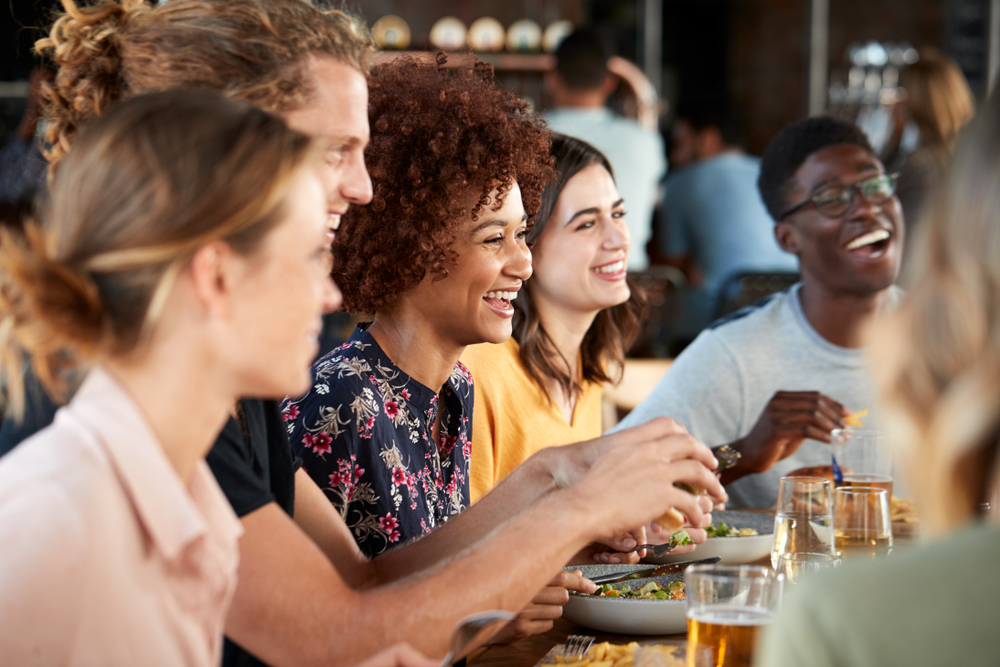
(633, 482)
(400, 655)
(545, 608)
(788, 419)
(616, 551)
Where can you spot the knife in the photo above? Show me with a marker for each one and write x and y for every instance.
(672, 568)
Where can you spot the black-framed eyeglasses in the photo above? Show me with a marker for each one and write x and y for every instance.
(834, 201)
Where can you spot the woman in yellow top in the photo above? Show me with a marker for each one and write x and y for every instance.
(573, 322)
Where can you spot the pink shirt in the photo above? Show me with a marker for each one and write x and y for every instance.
(106, 556)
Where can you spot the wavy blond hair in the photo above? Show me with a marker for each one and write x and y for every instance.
(254, 51)
(937, 358)
(938, 99)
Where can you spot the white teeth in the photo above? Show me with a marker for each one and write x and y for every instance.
(334, 221)
(867, 239)
(611, 268)
(506, 296)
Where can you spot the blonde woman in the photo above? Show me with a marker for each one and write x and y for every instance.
(175, 231)
(937, 363)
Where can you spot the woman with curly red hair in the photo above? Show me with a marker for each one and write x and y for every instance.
(458, 166)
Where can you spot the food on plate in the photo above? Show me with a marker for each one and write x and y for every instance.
(651, 591)
(722, 529)
(680, 538)
(621, 655)
(854, 419)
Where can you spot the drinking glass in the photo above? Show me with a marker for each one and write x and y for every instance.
(726, 607)
(864, 457)
(804, 520)
(861, 519)
(795, 565)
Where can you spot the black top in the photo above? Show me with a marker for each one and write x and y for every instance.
(364, 433)
(252, 471)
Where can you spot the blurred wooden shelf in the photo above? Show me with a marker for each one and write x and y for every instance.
(507, 62)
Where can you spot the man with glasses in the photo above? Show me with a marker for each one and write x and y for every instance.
(775, 378)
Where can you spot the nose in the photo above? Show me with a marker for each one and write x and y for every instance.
(332, 296)
(519, 262)
(356, 187)
(861, 206)
(616, 235)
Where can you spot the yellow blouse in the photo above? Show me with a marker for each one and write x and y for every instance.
(513, 418)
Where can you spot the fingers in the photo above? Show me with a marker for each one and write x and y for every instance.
(697, 475)
(698, 535)
(548, 597)
(619, 558)
(706, 505)
(400, 655)
(623, 542)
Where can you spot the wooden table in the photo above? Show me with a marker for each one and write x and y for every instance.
(527, 652)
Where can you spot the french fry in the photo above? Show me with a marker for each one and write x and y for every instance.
(606, 654)
(854, 419)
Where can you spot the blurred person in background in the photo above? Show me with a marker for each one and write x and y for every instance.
(938, 104)
(581, 85)
(22, 165)
(936, 361)
(713, 223)
(775, 378)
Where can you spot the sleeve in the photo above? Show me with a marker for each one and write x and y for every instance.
(702, 391)
(676, 239)
(483, 468)
(244, 480)
(804, 632)
(43, 575)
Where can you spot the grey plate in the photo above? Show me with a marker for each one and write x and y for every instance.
(622, 615)
(732, 550)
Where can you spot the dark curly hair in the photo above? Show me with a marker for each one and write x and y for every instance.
(443, 138)
(793, 146)
(613, 330)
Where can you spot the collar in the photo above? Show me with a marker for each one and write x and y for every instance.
(173, 513)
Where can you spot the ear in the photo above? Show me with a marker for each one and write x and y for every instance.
(787, 237)
(213, 271)
(610, 84)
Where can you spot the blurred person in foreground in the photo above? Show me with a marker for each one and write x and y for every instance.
(581, 85)
(309, 66)
(775, 378)
(936, 362)
(938, 104)
(713, 223)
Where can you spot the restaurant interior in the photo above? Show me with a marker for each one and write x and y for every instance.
(401, 333)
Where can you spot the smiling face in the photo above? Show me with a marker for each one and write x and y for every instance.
(472, 304)
(580, 256)
(337, 111)
(283, 292)
(857, 253)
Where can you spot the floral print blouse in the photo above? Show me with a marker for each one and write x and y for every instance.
(364, 434)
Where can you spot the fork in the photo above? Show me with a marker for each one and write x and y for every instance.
(657, 549)
(577, 645)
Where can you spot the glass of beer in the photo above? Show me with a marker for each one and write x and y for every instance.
(726, 607)
(804, 520)
(864, 457)
(795, 565)
(862, 524)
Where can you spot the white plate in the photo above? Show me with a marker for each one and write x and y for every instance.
(732, 550)
(622, 615)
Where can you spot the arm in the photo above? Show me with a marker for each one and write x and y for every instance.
(789, 418)
(291, 607)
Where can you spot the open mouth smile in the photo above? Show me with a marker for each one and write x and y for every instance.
(871, 245)
(613, 271)
(499, 301)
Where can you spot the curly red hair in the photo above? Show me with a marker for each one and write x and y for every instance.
(442, 140)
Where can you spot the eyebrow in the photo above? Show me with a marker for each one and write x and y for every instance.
(834, 179)
(496, 223)
(592, 209)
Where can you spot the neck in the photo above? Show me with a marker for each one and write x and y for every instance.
(566, 329)
(185, 406)
(838, 318)
(415, 346)
(582, 99)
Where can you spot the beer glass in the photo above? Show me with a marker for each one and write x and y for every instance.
(794, 565)
(726, 607)
(862, 524)
(864, 457)
(804, 520)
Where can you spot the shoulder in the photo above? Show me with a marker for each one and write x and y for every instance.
(489, 358)
(761, 315)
